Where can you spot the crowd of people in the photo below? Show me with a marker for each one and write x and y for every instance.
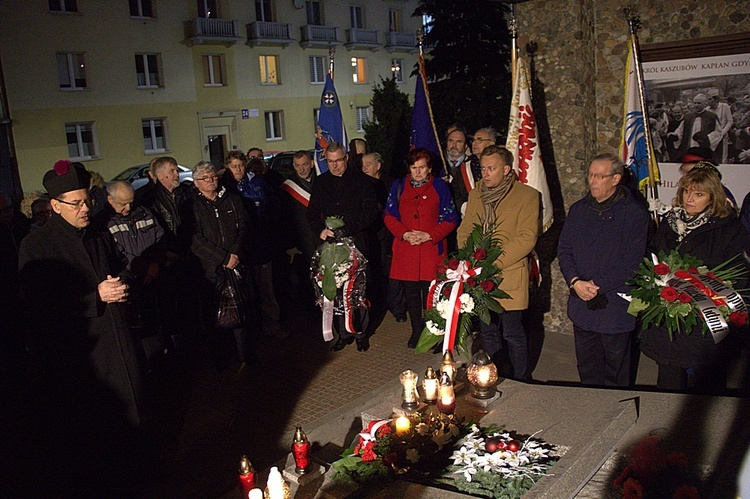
(113, 281)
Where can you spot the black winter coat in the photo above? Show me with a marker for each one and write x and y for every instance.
(174, 213)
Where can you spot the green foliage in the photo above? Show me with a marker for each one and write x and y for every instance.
(389, 131)
(467, 62)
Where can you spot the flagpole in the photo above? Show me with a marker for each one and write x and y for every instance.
(513, 28)
(423, 74)
(331, 58)
(634, 22)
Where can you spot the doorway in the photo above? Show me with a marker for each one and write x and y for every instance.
(219, 136)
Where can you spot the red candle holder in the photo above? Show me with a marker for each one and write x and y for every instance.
(301, 451)
(246, 476)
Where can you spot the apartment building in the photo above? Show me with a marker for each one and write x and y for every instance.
(115, 83)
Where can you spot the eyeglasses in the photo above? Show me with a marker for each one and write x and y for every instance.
(479, 139)
(336, 161)
(600, 176)
(77, 205)
(208, 178)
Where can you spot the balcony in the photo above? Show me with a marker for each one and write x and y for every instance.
(367, 39)
(401, 42)
(320, 36)
(202, 31)
(269, 34)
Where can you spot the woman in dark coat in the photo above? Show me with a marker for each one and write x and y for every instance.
(701, 224)
(420, 214)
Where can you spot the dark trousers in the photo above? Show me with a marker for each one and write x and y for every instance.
(603, 359)
(507, 327)
(360, 317)
(416, 296)
(396, 297)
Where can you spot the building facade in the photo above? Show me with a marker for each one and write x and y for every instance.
(117, 83)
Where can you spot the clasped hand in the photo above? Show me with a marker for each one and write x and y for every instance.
(113, 290)
(416, 237)
(586, 290)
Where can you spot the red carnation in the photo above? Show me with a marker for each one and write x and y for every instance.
(369, 453)
(441, 268)
(471, 281)
(684, 298)
(480, 254)
(383, 430)
(61, 167)
(661, 269)
(693, 270)
(446, 291)
(669, 293)
(453, 264)
(487, 286)
(739, 319)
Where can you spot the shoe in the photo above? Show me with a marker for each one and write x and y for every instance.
(401, 318)
(341, 344)
(413, 340)
(363, 345)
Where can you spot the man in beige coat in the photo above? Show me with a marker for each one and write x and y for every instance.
(502, 201)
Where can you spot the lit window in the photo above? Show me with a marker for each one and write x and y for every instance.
(71, 71)
(147, 70)
(396, 70)
(394, 20)
(269, 74)
(363, 117)
(314, 11)
(63, 6)
(355, 15)
(317, 69)
(207, 9)
(274, 125)
(154, 135)
(141, 8)
(213, 71)
(358, 70)
(81, 141)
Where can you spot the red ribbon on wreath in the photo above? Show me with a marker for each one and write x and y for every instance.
(458, 277)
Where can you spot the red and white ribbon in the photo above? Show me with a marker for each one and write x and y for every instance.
(297, 192)
(347, 289)
(462, 274)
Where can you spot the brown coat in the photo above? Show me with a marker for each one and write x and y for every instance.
(518, 223)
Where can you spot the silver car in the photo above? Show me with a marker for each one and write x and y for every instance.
(138, 175)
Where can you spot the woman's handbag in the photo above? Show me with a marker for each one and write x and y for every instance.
(233, 300)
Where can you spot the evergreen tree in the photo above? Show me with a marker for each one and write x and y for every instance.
(467, 62)
(389, 131)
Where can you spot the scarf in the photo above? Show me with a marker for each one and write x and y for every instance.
(418, 183)
(492, 197)
(683, 224)
(607, 203)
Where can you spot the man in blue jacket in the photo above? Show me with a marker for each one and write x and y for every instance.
(601, 245)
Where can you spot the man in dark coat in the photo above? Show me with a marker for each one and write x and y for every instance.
(74, 288)
(601, 245)
(346, 193)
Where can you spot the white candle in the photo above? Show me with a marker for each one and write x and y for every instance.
(255, 494)
(430, 389)
(403, 424)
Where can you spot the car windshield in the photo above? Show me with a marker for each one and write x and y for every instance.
(127, 173)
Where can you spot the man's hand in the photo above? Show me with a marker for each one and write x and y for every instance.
(326, 233)
(152, 273)
(585, 290)
(234, 260)
(113, 290)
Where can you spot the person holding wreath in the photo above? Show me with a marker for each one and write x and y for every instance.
(704, 225)
(420, 214)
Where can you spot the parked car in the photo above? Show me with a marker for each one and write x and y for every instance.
(138, 175)
(283, 163)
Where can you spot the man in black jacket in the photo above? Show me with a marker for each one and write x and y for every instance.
(218, 241)
(346, 193)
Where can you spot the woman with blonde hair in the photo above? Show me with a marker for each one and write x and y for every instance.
(704, 225)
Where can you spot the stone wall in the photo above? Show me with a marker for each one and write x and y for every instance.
(581, 47)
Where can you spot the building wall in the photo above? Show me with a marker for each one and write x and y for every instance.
(579, 67)
(31, 36)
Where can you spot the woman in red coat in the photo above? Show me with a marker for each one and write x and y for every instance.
(420, 214)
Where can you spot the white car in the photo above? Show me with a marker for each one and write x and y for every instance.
(138, 175)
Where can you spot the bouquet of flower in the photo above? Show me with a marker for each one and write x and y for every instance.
(492, 463)
(679, 292)
(380, 452)
(651, 471)
(466, 287)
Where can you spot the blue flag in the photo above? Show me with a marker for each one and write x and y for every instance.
(330, 125)
(423, 133)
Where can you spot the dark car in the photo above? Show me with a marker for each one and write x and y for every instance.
(283, 165)
(138, 175)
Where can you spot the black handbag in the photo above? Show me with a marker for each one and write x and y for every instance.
(233, 300)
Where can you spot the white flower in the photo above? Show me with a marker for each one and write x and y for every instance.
(467, 303)
(468, 471)
(442, 308)
(434, 328)
(412, 455)
(463, 455)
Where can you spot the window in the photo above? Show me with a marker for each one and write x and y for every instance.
(141, 8)
(207, 9)
(314, 10)
(81, 141)
(264, 11)
(363, 116)
(154, 135)
(63, 6)
(274, 125)
(147, 70)
(213, 70)
(269, 74)
(394, 20)
(71, 71)
(317, 69)
(355, 14)
(398, 74)
(358, 70)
